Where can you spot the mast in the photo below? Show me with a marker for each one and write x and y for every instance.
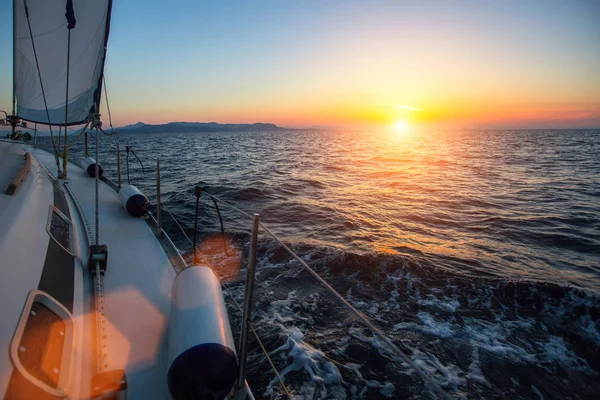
(14, 3)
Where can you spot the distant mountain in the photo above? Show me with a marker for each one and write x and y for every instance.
(192, 127)
(134, 126)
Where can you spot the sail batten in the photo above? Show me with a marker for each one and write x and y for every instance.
(50, 22)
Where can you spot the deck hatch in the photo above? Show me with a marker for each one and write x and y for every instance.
(42, 348)
(60, 228)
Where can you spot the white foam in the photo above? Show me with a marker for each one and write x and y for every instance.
(556, 350)
(323, 378)
(428, 325)
(589, 327)
(375, 342)
(536, 391)
(322, 372)
(341, 345)
(447, 376)
(387, 390)
(448, 305)
(492, 336)
(475, 372)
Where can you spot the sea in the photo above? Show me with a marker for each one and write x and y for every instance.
(476, 252)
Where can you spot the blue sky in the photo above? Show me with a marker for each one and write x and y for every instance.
(299, 63)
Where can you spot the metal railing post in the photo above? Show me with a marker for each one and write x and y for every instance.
(118, 161)
(248, 303)
(158, 205)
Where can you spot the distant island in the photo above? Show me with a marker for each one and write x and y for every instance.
(191, 127)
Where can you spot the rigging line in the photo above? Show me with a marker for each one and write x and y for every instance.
(107, 106)
(66, 149)
(37, 64)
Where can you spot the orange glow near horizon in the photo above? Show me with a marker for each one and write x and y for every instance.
(351, 65)
(450, 112)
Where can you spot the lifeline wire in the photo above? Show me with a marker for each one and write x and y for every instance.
(354, 311)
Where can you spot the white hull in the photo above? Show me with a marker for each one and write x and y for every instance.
(137, 283)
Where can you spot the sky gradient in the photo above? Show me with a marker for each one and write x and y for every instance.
(467, 64)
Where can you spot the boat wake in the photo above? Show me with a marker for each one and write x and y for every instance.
(477, 337)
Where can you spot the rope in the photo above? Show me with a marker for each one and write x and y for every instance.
(37, 64)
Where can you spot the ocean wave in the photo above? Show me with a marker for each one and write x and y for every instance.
(475, 336)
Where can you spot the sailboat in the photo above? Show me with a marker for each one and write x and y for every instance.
(96, 300)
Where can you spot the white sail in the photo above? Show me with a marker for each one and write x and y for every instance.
(49, 21)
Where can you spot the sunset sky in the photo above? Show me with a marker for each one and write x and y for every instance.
(452, 64)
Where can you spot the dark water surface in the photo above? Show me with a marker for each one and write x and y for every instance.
(479, 252)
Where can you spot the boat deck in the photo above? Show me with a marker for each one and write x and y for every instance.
(137, 282)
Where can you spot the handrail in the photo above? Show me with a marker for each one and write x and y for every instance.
(364, 319)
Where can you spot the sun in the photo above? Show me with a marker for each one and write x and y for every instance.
(401, 125)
